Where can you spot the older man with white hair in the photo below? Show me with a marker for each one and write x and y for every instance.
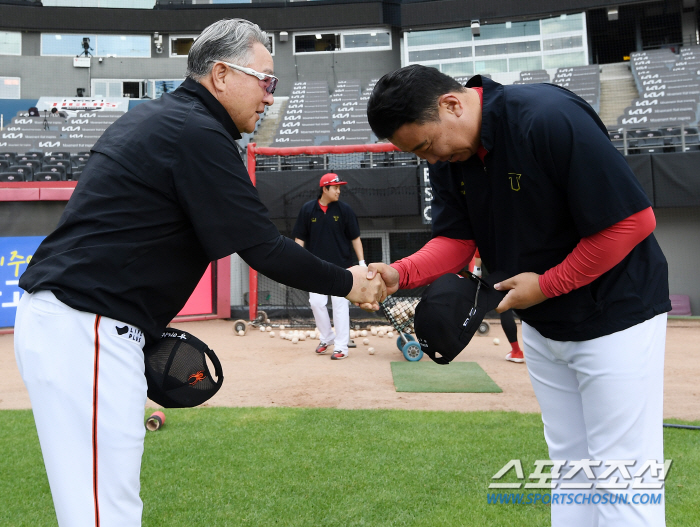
(164, 193)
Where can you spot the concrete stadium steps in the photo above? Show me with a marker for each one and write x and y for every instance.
(617, 91)
(268, 128)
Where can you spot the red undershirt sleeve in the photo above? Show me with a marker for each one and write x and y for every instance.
(439, 256)
(597, 254)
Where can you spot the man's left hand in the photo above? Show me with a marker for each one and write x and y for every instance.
(523, 292)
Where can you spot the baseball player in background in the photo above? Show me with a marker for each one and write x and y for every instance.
(508, 324)
(164, 193)
(328, 228)
(528, 174)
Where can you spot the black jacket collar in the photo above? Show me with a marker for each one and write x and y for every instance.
(215, 108)
(491, 109)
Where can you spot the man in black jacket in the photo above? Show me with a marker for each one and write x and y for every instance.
(164, 193)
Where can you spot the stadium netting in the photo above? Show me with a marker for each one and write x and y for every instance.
(383, 189)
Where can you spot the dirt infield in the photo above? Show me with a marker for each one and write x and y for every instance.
(264, 371)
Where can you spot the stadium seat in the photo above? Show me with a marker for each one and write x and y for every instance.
(64, 163)
(317, 162)
(680, 305)
(269, 164)
(399, 159)
(49, 175)
(376, 159)
(24, 161)
(17, 173)
(4, 163)
(75, 176)
(79, 160)
(690, 137)
(62, 155)
(64, 168)
(618, 140)
(670, 133)
(297, 163)
(8, 156)
(649, 141)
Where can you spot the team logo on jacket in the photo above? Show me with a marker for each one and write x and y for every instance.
(130, 333)
(514, 181)
(313, 220)
(336, 218)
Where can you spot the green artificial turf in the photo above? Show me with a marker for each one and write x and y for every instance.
(324, 467)
(456, 377)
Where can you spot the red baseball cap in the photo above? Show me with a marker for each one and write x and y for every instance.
(331, 179)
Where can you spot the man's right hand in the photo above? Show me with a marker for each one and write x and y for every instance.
(366, 293)
(389, 277)
(388, 274)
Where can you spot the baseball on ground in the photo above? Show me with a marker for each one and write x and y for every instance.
(272, 334)
(371, 351)
(365, 342)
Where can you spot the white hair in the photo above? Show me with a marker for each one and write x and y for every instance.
(230, 39)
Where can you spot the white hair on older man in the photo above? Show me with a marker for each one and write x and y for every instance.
(230, 40)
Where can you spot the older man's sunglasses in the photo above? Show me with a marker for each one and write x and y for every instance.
(269, 80)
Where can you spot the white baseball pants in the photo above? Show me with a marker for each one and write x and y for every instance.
(341, 320)
(602, 399)
(85, 377)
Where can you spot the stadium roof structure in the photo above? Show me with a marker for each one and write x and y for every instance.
(170, 17)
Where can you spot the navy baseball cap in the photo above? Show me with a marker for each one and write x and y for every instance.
(451, 310)
(177, 372)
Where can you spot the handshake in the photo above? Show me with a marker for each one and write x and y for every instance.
(372, 284)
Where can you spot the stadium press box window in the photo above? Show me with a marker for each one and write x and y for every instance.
(70, 45)
(180, 44)
(115, 4)
(10, 87)
(10, 43)
(343, 41)
(500, 48)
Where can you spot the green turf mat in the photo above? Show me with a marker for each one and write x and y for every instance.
(457, 377)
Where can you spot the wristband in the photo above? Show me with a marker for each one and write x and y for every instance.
(362, 263)
(477, 271)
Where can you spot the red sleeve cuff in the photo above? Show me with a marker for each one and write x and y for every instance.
(439, 256)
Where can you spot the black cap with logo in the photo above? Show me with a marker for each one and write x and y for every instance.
(451, 310)
(177, 371)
